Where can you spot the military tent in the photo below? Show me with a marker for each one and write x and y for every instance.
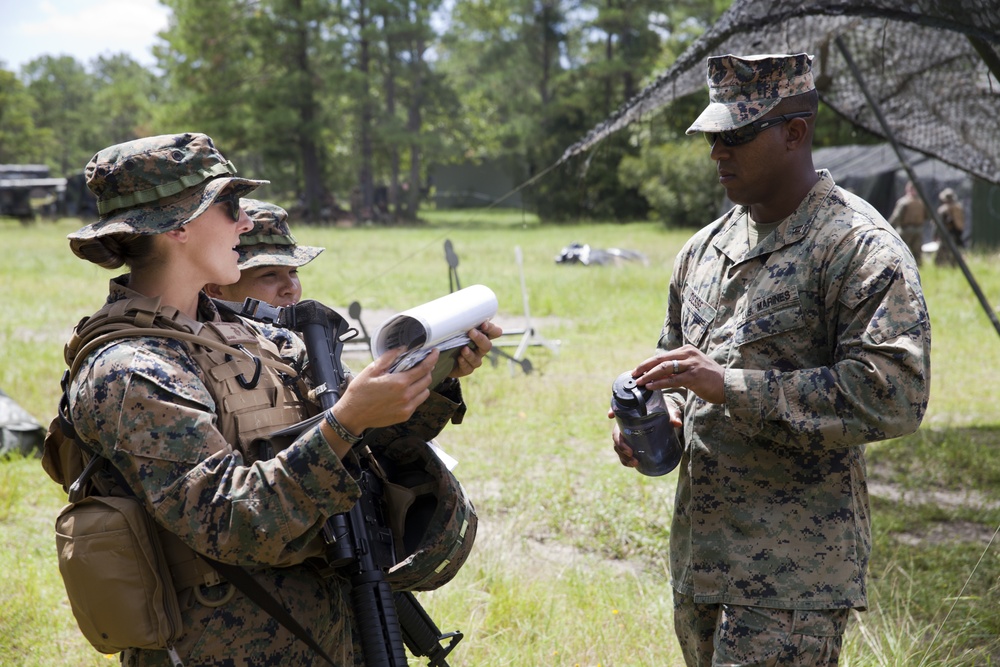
(923, 74)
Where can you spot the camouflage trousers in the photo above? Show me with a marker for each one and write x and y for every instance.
(723, 635)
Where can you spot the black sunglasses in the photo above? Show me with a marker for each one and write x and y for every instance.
(747, 133)
(231, 200)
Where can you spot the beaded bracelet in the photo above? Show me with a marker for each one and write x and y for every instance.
(342, 432)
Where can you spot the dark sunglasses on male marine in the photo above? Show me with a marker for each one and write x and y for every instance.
(232, 202)
(747, 133)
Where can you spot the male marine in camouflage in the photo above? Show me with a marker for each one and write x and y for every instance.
(796, 332)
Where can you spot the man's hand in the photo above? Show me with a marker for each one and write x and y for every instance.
(622, 449)
(686, 367)
(471, 357)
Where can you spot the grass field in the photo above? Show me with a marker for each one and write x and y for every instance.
(569, 567)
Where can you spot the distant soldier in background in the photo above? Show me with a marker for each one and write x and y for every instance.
(952, 215)
(908, 217)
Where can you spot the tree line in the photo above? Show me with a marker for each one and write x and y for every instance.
(346, 104)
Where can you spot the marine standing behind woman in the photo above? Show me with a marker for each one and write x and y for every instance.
(270, 259)
(172, 418)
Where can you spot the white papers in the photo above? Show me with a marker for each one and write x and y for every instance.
(447, 459)
(442, 324)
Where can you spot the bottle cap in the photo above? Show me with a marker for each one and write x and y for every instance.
(629, 395)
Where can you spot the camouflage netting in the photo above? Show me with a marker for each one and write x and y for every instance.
(932, 67)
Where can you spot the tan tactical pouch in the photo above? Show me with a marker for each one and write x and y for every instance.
(116, 576)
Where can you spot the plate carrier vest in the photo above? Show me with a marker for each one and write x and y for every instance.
(255, 394)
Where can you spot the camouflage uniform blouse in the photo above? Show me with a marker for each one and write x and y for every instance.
(824, 336)
(144, 403)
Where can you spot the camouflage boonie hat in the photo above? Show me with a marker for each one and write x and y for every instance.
(270, 243)
(743, 89)
(156, 184)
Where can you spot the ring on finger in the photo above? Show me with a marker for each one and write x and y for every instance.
(677, 368)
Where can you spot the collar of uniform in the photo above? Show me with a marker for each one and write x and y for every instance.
(801, 220)
(733, 241)
(119, 290)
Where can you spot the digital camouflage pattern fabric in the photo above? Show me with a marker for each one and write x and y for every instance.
(270, 242)
(824, 336)
(156, 184)
(743, 89)
(145, 404)
(757, 635)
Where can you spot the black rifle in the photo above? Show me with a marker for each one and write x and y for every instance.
(360, 541)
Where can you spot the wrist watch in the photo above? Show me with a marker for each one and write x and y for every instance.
(342, 432)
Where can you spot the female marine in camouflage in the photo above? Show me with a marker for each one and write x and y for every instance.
(179, 422)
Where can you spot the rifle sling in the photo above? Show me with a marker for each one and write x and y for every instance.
(134, 332)
(241, 579)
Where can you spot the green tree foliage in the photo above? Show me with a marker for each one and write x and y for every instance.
(294, 120)
(503, 57)
(673, 171)
(21, 142)
(255, 76)
(74, 111)
(325, 97)
(64, 96)
(507, 58)
(207, 57)
(126, 94)
(678, 180)
(403, 110)
(317, 96)
(431, 102)
(536, 76)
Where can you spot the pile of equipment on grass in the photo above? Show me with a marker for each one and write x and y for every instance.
(19, 431)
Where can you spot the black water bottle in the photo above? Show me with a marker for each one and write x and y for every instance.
(645, 426)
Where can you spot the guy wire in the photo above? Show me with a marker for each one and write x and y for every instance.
(378, 276)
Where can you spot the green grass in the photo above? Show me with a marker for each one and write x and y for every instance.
(481, 217)
(569, 567)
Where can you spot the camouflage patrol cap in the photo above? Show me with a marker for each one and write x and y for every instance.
(270, 243)
(742, 89)
(156, 184)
